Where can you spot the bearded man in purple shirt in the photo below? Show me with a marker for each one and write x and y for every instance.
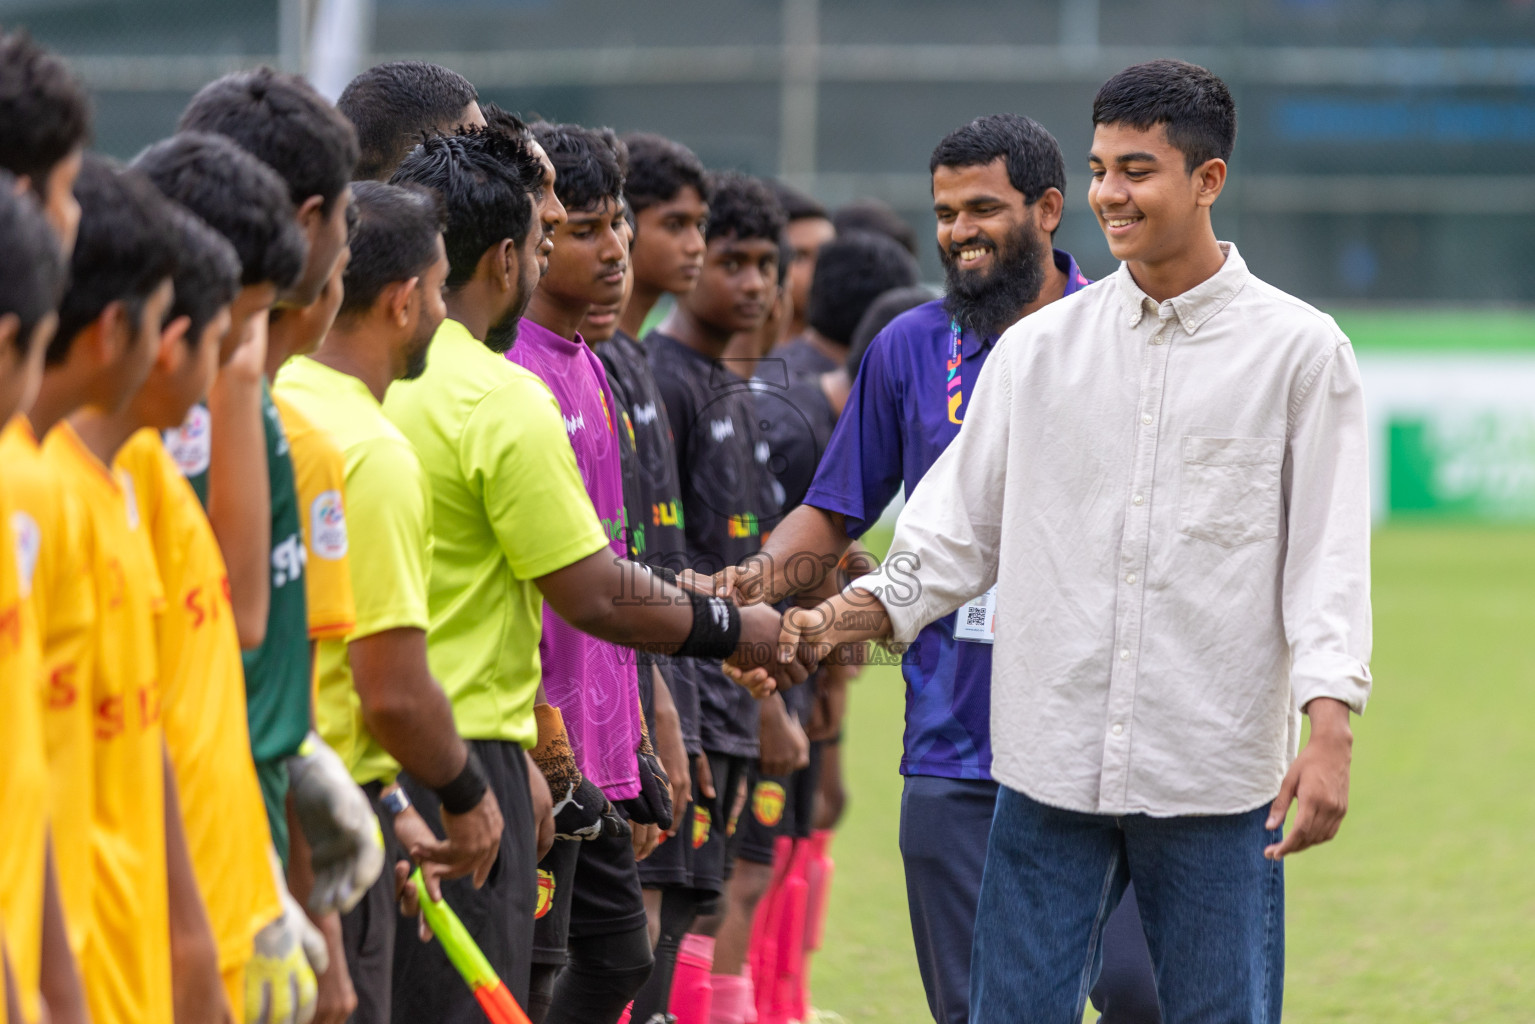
(999, 187)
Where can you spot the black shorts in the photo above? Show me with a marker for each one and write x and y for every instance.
(499, 916)
(596, 891)
(712, 821)
(368, 930)
(777, 806)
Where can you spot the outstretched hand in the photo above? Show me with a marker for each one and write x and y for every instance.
(758, 661)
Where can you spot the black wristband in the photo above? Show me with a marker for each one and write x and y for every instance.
(464, 793)
(716, 628)
(667, 575)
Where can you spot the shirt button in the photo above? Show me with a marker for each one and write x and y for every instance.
(1124, 655)
(1146, 419)
(1138, 500)
(1130, 578)
(1157, 340)
(1118, 729)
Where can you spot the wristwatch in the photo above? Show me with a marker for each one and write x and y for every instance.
(394, 800)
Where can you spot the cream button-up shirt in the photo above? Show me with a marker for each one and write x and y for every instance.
(1173, 500)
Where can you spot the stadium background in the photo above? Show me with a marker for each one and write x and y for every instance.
(1382, 172)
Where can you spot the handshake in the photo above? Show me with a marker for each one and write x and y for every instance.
(775, 651)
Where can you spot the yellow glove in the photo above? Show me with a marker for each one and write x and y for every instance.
(280, 983)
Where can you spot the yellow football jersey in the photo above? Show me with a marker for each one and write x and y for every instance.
(319, 472)
(23, 768)
(203, 683)
(126, 964)
(64, 598)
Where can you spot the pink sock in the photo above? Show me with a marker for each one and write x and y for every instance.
(732, 998)
(692, 982)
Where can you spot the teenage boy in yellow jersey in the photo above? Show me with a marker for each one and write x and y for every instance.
(148, 951)
(31, 283)
(45, 119)
(379, 705)
(246, 202)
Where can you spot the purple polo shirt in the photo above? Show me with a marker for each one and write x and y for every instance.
(591, 681)
(901, 415)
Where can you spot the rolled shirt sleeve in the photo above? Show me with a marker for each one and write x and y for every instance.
(1326, 602)
(948, 536)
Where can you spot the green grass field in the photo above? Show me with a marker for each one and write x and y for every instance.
(1422, 910)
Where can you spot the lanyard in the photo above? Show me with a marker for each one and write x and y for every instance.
(954, 388)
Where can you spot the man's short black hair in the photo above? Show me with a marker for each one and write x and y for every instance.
(1033, 157)
(742, 207)
(207, 274)
(589, 163)
(391, 104)
(796, 205)
(286, 124)
(125, 249)
(659, 168)
(32, 267)
(504, 121)
(45, 113)
(486, 179)
(878, 316)
(851, 271)
(395, 240)
(1194, 104)
(235, 194)
(876, 217)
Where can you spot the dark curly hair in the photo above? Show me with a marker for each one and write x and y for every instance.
(284, 123)
(485, 179)
(589, 163)
(743, 207)
(45, 113)
(659, 168)
(235, 194)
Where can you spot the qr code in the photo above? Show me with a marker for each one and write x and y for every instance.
(975, 616)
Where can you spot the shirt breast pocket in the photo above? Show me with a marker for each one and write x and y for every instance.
(1230, 489)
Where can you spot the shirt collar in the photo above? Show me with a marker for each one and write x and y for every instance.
(972, 344)
(531, 328)
(1194, 307)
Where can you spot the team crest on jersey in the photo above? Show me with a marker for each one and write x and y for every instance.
(628, 425)
(29, 542)
(700, 826)
(767, 804)
(191, 444)
(327, 525)
(545, 893)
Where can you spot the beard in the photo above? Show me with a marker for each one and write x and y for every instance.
(502, 334)
(993, 301)
(415, 360)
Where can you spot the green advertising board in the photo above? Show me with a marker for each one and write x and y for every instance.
(1467, 465)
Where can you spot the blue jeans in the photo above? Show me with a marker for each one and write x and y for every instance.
(944, 828)
(1212, 908)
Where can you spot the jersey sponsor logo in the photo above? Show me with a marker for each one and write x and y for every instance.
(628, 427)
(288, 561)
(115, 713)
(701, 825)
(191, 444)
(721, 429)
(574, 423)
(743, 525)
(607, 414)
(29, 543)
(645, 414)
(63, 689)
(666, 513)
(545, 893)
(327, 525)
(763, 453)
(767, 804)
